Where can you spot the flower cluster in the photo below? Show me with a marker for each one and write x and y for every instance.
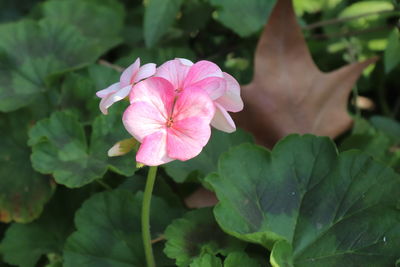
(172, 107)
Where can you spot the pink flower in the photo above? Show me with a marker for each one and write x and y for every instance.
(220, 86)
(118, 91)
(168, 125)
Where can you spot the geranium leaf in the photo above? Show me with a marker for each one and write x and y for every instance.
(230, 10)
(158, 17)
(206, 260)
(100, 21)
(45, 48)
(108, 230)
(59, 147)
(206, 162)
(23, 192)
(197, 233)
(240, 259)
(322, 204)
(24, 244)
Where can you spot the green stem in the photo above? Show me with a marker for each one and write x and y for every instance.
(148, 250)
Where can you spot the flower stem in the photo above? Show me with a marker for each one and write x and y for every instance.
(148, 250)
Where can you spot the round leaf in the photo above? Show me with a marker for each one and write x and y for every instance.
(322, 204)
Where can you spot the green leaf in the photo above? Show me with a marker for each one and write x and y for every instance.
(235, 259)
(59, 147)
(392, 52)
(281, 254)
(324, 205)
(78, 91)
(157, 55)
(107, 130)
(158, 17)
(23, 192)
(207, 260)
(161, 189)
(388, 126)
(24, 244)
(206, 162)
(11, 10)
(99, 21)
(376, 137)
(30, 52)
(362, 7)
(195, 234)
(109, 232)
(253, 14)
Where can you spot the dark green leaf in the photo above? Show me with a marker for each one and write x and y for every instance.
(235, 259)
(195, 234)
(388, 126)
(158, 17)
(23, 192)
(324, 205)
(392, 52)
(156, 55)
(101, 22)
(281, 255)
(206, 260)
(109, 232)
(24, 244)
(59, 147)
(253, 14)
(32, 51)
(206, 162)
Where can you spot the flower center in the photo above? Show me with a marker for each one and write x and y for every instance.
(170, 122)
(178, 90)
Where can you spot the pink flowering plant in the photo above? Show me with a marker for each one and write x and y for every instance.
(161, 133)
(171, 111)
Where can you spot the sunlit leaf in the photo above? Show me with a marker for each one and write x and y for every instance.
(324, 205)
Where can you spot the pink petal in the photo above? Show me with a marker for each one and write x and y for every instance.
(187, 137)
(214, 86)
(153, 150)
(156, 91)
(174, 71)
(115, 96)
(129, 73)
(193, 102)
(222, 120)
(185, 61)
(201, 70)
(142, 119)
(144, 72)
(105, 92)
(231, 100)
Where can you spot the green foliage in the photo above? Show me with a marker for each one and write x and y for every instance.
(231, 10)
(196, 234)
(207, 260)
(158, 17)
(206, 162)
(305, 194)
(24, 244)
(108, 230)
(59, 147)
(392, 52)
(23, 192)
(44, 48)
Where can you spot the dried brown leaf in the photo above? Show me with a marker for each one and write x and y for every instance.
(289, 94)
